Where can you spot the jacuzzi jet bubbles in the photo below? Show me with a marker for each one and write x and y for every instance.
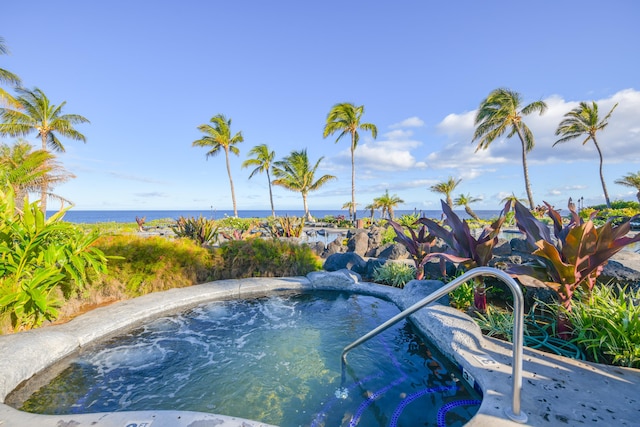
(342, 393)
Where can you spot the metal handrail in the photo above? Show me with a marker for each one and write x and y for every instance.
(514, 413)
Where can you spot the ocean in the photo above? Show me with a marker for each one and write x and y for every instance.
(92, 217)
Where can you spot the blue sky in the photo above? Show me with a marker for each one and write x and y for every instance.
(146, 74)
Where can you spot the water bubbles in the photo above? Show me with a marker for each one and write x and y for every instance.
(342, 393)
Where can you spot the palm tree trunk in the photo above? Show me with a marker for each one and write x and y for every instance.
(527, 184)
(306, 208)
(44, 187)
(471, 213)
(273, 211)
(604, 186)
(353, 176)
(233, 194)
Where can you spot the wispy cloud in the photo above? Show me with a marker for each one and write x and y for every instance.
(411, 122)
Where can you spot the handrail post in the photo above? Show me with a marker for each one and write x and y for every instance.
(515, 413)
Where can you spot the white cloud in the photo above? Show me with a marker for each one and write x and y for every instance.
(411, 122)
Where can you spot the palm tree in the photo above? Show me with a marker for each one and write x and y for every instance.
(25, 170)
(465, 200)
(350, 206)
(446, 188)
(631, 180)
(262, 161)
(345, 118)
(218, 137)
(294, 173)
(387, 203)
(7, 77)
(584, 120)
(501, 111)
(37, 113)
(371, 208)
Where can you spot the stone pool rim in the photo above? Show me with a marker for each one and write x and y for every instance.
(485, 361)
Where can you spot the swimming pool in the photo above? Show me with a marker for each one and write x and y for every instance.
(274, 359)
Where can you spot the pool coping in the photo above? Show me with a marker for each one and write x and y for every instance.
(555, 389)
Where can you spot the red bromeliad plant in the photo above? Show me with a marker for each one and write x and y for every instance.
(575, 258)
(418, 245)
(464, 249)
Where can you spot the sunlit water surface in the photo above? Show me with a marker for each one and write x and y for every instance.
(274, 359)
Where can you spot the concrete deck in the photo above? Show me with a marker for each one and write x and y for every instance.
(556, 390)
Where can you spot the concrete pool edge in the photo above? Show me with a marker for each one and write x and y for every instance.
(485, 361)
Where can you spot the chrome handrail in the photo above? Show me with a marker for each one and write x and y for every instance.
(514, 413)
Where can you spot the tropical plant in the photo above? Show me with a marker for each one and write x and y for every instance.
(465, 200)
(36, 113)
(501, 110)
(218, 138)
(140, 222)
(371, 208)
(631, 180)
(395, 274)
(351, 207)
(201, 230)
(387, 203)
(40, 262)
(236, 234)
(418, 244)
(346, 119)
(446, 188)
(584, 121)
(294, 173)
(287, 227)
(24, 170)
(408, 220)
(462, 296)
(262, 160)
(7, 77)
(465, 249)
(573, 259)
(608, 327)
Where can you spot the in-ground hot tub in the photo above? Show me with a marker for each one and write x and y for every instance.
(364, 387)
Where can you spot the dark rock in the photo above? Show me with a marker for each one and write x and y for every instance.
(317, 248)
(372, 265)
(503, 248)
(392, 251)
(349, 260)
(358, 242)
(424, 288)
(375, 239)
(520, 245)
(433, 270)
(615, 272)
(335, 247)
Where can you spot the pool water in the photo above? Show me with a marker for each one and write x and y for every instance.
(274, 359)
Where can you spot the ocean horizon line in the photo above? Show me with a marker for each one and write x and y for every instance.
(89, 216)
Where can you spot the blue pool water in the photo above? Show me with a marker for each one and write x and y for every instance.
(274, 359)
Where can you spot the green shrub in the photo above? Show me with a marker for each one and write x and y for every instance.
(607, 326)
(462, 296)
(201, 230)
(264, 258)
(394, 274)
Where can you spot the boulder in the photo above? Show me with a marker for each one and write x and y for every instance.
(392, 251)
(358, 242)
(502, 248)
(616, 272)
(423, 288)
(520, 245)
(335, 247)
(347, 260)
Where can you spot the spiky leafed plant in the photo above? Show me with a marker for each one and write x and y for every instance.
(631, 180)
(262, 160)
(295, 173)
(8, 78)
(37, 114)
(418, 244)
(387, 203)
(465, 200)
(346, 118)
(218, 138)
(463, 248)
(584, 121)
(446, 188)
(574, 258)
(502, 111)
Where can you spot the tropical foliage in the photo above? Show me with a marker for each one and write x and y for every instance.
(395, 274)
(387, 203)
(218, 138)
(346, 118)
(41, 262)
(262, 161)
(584, 121)
(572, 259)
(446, 188)
(418, 244)
(201, 230)
(36, 113)
(502, 111)
(465, 200)
(7, 77)
(295, 173)
(631, 180)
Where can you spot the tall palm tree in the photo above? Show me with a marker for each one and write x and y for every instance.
(218, 137)
(631, 180)
(446, 188)
(371, 208)
(465, 200)
(501, 110)
(25, 170)
(262, 161)
(7, 77)
(294, 173)
(346, 119)
(584, 121)
(387, 203)
(38, 114)
(350, 206)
